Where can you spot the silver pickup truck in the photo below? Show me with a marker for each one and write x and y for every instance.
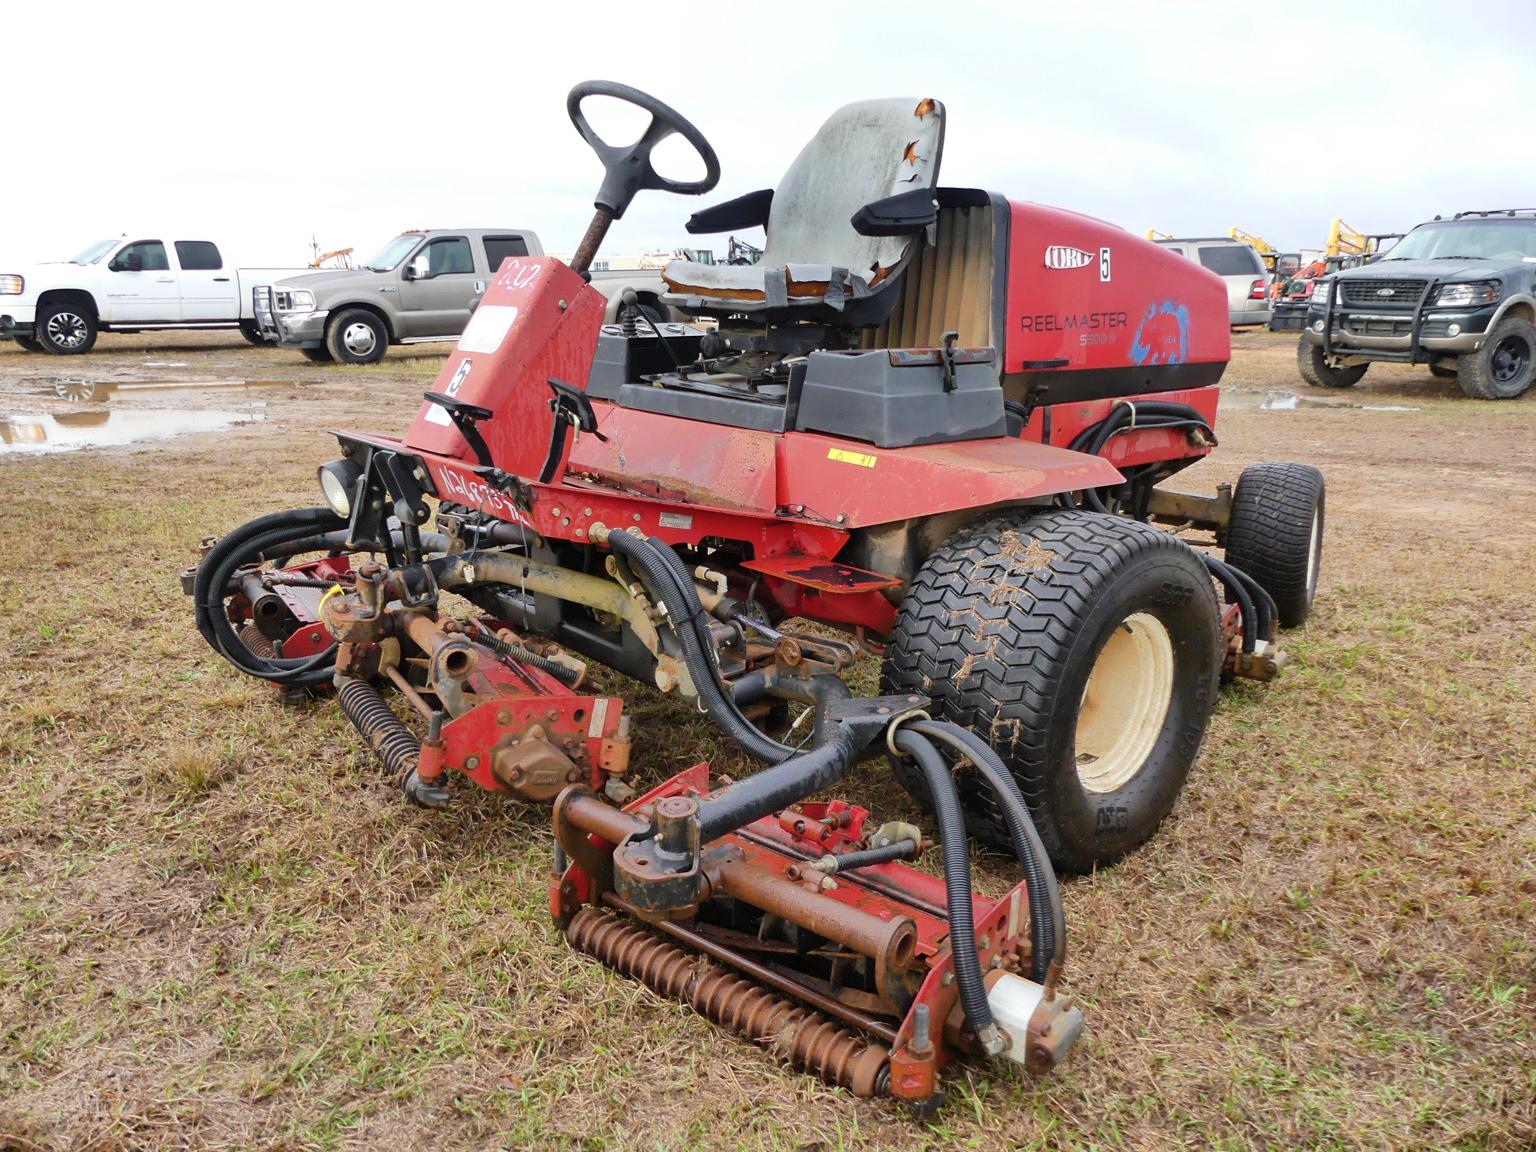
(421, 286)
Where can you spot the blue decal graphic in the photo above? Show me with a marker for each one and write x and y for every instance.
(1160, 347)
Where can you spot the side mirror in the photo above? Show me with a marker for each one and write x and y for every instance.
(418, 269)
(129, 262)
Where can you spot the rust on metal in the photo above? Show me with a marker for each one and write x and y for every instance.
(799, 1035)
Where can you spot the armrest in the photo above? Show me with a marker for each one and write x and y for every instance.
(898, 215)
(749, 211)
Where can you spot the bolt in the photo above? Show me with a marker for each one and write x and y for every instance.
(986, 941)
(471, 763)
(314, 637)
(637, 517)
(586, 511)
(554, 511)
(882, 710)
(947, 979)
(503, 717)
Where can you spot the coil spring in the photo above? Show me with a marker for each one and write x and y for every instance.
(253, 638)
(803, 1037)
(385, 734)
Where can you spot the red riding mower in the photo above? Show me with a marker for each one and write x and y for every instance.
(931, 417)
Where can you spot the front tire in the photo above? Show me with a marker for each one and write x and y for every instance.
(66, 329)
(1443, 371)
(28, 344)
(1276, 534)
(251, 333)
(1503, 368)
(357, 336)
(1316, 372)
(1085, 649)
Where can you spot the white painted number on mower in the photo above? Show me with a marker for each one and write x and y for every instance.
(1103, 265)
(477, 494)
(487, 328)
(519, 276)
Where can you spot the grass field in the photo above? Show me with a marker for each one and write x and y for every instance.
(220, 928)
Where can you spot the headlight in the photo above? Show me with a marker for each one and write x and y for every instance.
(1466, 295)
(1320, 290)
(11, 285)
(293, 300)
(338, 483)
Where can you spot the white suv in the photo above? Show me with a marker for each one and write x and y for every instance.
(1239, 265)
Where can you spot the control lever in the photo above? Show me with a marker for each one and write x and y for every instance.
(573, 409)
(465, 416)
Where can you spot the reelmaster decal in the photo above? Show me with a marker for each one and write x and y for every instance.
(1073, 321)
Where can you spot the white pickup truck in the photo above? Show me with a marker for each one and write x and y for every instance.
(127, 285)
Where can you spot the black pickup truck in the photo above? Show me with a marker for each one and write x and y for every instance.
(1457, 294)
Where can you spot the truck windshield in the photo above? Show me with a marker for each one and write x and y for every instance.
(393, 252)
(95, 252)
(1462, 240)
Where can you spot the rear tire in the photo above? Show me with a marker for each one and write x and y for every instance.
(66, 329)
(1276, 534)
(1315, 371)
(357, 336)
(1086, 649)
(1504, 367)
(319, 355)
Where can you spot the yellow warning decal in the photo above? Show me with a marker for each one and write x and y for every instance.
(862, 459)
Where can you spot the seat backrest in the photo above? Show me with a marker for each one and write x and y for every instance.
(949, 287)
(863, 153)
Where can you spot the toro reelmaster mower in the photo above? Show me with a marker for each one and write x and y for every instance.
(930, 417)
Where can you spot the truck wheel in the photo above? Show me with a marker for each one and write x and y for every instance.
(320, 355)
(1315, 371)
(66, 329)
(1503, 367)
(1085, 649)
(1443, 371)
(357, 336)
(251, 333)
(1276, 534)
(28, 344)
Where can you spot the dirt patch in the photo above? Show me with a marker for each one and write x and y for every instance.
(220, 928)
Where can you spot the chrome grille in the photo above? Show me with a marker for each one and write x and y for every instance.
(1382, 293)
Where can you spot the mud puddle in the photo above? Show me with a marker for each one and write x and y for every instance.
(39, 432)
(82, 389)
(1281, 401)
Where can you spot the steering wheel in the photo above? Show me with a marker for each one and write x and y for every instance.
(628, 170)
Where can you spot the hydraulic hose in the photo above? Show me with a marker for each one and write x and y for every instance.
(220, 564)
(670, 582)
(957, 885)
(1237, 590)
(1047, 918)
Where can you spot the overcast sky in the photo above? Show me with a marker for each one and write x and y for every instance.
(259, 125)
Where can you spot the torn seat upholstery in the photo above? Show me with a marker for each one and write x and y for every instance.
(865, 153)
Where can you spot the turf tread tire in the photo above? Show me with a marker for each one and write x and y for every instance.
(994, 624)
(1269, 535)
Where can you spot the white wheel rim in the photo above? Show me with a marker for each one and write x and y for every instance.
(1125, 703)
(359, 339)
(1314, 554)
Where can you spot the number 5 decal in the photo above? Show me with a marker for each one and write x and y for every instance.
(1103, 265)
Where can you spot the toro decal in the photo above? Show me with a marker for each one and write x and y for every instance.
(1162, 337)
(1065, 256)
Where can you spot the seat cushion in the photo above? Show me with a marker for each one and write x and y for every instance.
(749, 281)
